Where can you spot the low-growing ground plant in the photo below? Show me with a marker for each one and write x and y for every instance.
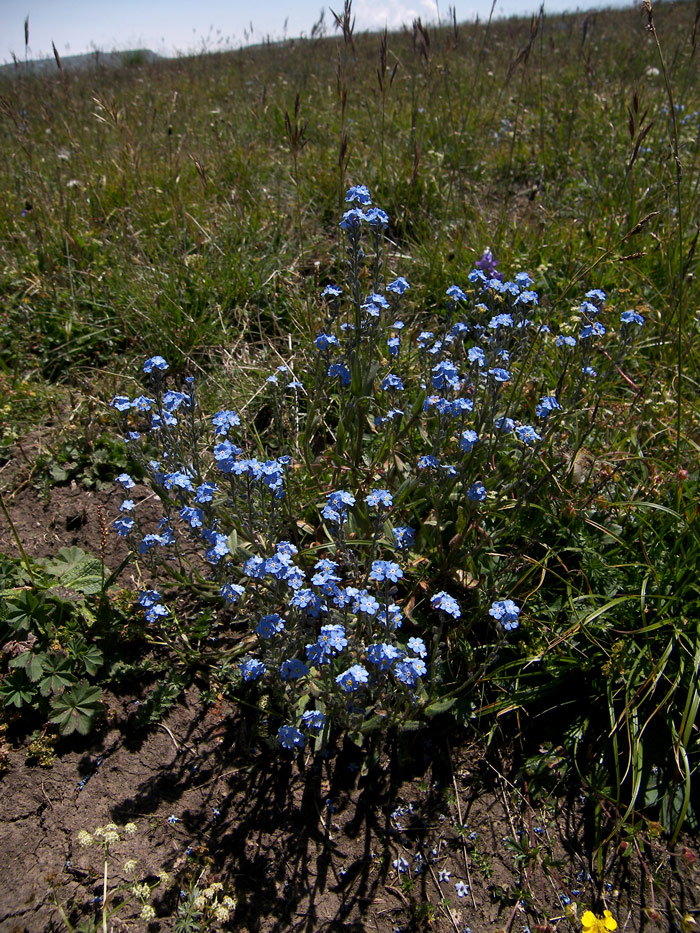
(114, 897)
(55, 622)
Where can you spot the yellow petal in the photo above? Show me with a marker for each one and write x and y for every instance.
(610, 922)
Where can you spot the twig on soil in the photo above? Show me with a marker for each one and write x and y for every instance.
(461, 825)
(177, 744)
(48, 800)
(444, 908)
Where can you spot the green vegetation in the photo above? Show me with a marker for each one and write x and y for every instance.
(189, 209)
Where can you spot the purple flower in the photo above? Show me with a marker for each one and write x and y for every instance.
(487, 265)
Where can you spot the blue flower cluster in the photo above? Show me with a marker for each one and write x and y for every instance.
(325, 614)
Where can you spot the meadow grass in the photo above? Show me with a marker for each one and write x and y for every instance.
(190, 209)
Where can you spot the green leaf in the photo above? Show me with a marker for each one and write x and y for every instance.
(77, 570)
(15, 691)
(57, 675)
(76, 709)
(439, 706)
(93, 659)
(32, 664)
(26, 607)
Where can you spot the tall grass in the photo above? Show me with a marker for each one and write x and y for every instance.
(163, 191)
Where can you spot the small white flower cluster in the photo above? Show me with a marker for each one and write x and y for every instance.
(105, 835)
(207, 902)
(111, 834)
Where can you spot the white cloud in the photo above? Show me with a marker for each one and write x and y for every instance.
(376, 14)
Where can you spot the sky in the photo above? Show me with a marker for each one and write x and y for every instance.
(172, 27)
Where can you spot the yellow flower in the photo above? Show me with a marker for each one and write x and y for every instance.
(593, 924)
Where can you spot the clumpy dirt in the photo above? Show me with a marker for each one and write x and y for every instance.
(302, 842)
